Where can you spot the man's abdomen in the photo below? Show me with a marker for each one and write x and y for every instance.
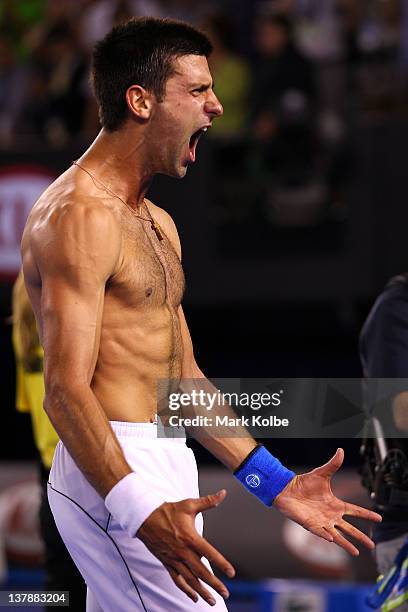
(133, 365)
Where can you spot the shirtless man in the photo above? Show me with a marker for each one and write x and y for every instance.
(106, 284)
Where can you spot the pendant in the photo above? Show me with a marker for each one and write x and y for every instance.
(157, 230)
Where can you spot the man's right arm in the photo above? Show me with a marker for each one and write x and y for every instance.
(79, 253)
(75, 257)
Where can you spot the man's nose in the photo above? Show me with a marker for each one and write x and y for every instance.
(213, 106)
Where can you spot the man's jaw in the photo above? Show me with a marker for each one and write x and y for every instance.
(188, 153)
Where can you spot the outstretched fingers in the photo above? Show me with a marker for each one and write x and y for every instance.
(181, 583)
(186, 578)
(355, 533)
(342, 542)
(186, 567)
(321, 532)
(204, 549)
(199, 570)
(369, 515)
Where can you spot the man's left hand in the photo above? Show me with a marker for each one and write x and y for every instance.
(309, 501)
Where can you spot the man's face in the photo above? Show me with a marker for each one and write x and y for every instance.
(186, 112)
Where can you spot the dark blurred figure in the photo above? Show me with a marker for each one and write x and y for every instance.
(372, 28)
(186, 10)
(384, 354)
(123, 12)
(283, 89)
(374, 55)
(18, 19)
(98, 16)
(285, 136)
(13, 80)
(229, 136)
(57, 99)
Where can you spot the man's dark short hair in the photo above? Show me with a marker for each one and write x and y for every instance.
(139, 52)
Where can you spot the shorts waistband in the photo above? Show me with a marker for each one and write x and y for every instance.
(123, 429)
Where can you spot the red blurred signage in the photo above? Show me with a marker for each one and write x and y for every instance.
(20, 187)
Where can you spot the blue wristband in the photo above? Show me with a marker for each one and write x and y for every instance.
(263, 475)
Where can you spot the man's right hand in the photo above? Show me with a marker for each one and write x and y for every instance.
(170, 535)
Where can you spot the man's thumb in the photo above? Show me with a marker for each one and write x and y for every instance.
(331, 467)
(210, 501)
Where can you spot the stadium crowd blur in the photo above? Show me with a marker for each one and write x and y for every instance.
(292, 75)
(297, 79)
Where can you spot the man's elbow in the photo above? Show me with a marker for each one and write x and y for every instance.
(191, 370)
(60, 392)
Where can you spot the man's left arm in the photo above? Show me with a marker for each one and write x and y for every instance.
(305, 498)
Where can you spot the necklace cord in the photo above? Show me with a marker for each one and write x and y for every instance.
(154, 225)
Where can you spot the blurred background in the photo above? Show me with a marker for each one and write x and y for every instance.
(291, 222)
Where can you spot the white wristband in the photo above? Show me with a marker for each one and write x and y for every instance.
(130, 502)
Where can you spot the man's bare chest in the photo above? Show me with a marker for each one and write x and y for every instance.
(150, 271)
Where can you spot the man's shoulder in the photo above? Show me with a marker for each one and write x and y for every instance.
(59, 208)
(388, 315)
(65, 220)
(393, 299)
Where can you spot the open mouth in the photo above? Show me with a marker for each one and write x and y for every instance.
(194, 141)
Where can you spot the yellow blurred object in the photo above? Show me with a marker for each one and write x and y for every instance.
(232, 78)
(29, 373)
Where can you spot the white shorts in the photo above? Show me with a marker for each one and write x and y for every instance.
(121, 573)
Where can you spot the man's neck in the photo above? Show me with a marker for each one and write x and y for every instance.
(118, 159)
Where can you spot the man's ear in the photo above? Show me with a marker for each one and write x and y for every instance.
(139, 101)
